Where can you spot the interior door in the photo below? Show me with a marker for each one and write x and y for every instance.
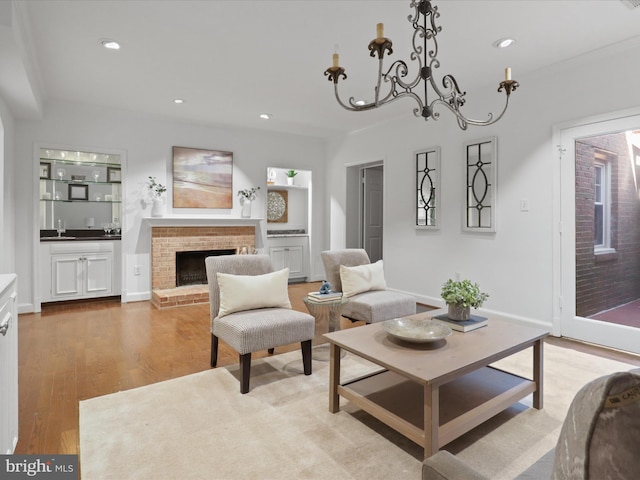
(372, 206)
(571, 325)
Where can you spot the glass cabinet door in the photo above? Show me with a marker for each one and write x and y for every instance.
(79, 189)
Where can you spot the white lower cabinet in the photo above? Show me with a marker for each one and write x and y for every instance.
(75, 270)
(290, 252)
(8, 364)
(81, 275)
(288, 257)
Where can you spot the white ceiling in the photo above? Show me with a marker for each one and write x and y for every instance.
(232, 60)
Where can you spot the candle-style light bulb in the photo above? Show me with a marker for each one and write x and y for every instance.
(380, 31)
(336, 60)
(507, 74)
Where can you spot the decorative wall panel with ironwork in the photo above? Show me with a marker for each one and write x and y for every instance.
(428, 188)
(481, 183)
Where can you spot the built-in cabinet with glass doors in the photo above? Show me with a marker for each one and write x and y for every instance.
(79, 190)
(80, 206)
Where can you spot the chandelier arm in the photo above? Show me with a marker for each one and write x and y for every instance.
(402, 70)
(462, 120)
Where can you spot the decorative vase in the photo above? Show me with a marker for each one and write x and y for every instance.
(459, 313)
(246, 208)
(289, 180)
(157, 210)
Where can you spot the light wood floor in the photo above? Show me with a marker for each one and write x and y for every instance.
(71, 353)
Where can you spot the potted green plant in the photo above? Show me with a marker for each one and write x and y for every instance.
(460, 296)
(290, 175)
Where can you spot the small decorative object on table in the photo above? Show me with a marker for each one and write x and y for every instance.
(246, 197)
(290, 175)
(416, 330)
(463, 325)
(317, 297)
(460, 296)
(325, 287)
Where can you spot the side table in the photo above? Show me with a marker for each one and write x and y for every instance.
(329, 312)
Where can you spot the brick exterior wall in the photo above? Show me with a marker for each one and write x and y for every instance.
(609, 280)
(166, 241)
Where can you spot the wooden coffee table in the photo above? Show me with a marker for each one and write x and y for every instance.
(434, 393)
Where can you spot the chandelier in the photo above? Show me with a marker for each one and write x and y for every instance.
(450, 96)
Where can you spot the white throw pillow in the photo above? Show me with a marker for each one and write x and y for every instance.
(248, 292)
(362, 278)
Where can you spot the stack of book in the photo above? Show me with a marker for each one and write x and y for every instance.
(465, 325)
(318, 297)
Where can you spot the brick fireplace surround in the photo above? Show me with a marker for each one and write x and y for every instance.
(167, 240)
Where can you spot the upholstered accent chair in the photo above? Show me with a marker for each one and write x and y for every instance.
(598, 440)
(250, 310)
(374, 305)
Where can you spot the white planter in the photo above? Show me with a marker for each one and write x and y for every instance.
(157, 209)
(246, 208)
(289, 180)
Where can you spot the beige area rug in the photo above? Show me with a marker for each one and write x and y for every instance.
(201, 427)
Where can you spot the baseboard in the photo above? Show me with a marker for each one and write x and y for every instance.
(26, 308)
(438, 302)
(137, 297)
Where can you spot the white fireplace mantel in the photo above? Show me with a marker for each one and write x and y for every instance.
(196, 221)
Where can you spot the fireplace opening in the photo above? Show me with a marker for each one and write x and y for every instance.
(190, 266)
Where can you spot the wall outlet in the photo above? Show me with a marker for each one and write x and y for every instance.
(137, 269)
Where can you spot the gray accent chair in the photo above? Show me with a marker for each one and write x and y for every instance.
(370, 307)
(598, 440)
(252, 330)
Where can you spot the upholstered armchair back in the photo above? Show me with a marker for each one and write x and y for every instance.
(350, 257)
(235, 265)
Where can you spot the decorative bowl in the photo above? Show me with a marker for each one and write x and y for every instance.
(416, 330)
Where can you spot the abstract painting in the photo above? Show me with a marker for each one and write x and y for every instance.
(202, 178)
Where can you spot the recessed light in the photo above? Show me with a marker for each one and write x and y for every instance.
(110, 44)
(265, 116)
(178, 101)
(504, 42)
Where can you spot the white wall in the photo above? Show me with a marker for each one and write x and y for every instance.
(146, 143)
(7, 246)
(515, 264)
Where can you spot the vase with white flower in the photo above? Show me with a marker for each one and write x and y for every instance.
(247, 196)
(156, 191)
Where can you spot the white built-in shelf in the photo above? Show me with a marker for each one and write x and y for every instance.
(273, 186)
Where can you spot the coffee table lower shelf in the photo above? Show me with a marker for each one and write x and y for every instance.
(464, 403)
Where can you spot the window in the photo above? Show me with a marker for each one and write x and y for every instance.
(599, 204)
(602, 205)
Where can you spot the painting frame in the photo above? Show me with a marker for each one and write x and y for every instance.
(78, 192)
(114, 175)
(202, 178)
(45, 171)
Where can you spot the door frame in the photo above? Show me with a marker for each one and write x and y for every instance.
(355, 205)
(565, 321)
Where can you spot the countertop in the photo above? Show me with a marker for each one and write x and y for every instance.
(80, 239)
(76, 236)
(278, 235)
(286, 233)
